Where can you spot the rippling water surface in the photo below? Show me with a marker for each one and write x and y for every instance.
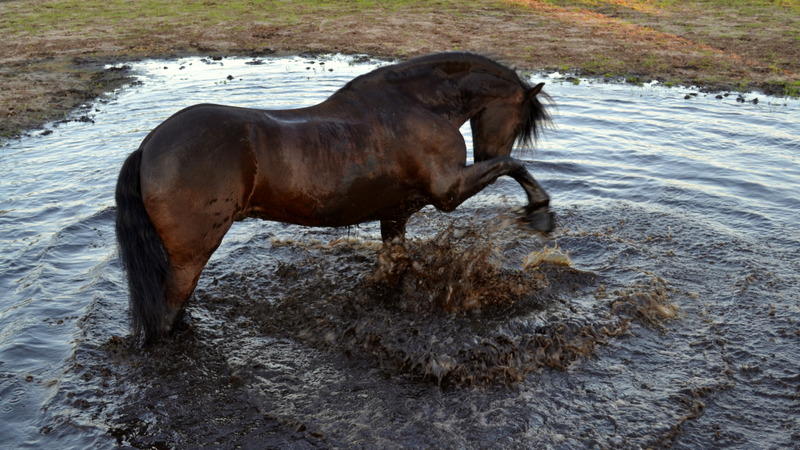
(676, 323)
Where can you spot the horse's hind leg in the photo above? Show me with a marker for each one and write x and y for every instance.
(188, 257)
(179, 285)
(190, 236)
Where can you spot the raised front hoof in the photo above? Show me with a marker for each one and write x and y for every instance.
(542, 220)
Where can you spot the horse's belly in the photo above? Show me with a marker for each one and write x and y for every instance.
(349, 203)
(322, 174)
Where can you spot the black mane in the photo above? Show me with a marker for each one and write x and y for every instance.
(536, 118)
(448, 63)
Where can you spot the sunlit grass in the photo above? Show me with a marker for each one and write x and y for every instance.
(653, 6)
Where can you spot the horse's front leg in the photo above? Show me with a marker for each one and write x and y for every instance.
(450, 191)
(537, 212)
(394, 230)
(393, 258)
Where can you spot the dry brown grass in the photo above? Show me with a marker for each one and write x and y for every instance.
(54, 49)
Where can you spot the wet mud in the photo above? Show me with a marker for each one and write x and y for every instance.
(477, 305)
(55, 89)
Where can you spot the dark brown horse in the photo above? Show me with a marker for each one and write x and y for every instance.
(381, 148)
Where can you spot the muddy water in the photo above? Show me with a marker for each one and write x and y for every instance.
(664, 311)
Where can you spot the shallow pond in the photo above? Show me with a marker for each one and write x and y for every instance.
(670, 315)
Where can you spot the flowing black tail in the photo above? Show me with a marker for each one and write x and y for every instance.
(142, 253)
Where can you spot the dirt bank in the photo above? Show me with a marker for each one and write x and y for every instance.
(57, 55)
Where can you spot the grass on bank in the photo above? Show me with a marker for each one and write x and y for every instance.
(37, 17)
(719, 37)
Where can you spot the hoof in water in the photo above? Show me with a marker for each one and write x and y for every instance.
(541, 219)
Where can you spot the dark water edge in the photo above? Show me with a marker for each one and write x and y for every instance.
(675, 325)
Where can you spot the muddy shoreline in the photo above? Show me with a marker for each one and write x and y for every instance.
(58, 90)
(56, 63)
(65, 94)
(59, 95)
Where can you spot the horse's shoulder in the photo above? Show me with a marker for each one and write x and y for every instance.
(433, 129)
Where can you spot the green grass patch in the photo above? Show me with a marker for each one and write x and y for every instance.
(39, 17)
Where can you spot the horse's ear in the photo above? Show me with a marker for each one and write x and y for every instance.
(535, 90)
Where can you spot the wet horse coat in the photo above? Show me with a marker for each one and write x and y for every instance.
(380, 148)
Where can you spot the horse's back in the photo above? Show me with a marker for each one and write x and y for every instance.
(196, 143)
(196, 129)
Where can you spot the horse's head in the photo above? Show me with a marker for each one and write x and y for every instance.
(504, 120)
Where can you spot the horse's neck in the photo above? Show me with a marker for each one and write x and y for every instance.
(456, 95)
(474, 90)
